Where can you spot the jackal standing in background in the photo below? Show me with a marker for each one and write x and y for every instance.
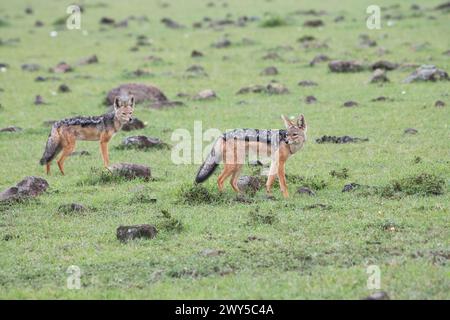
(232, 147)
(65, 133)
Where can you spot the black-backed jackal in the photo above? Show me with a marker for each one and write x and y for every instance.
(233, 146)
(65, 133)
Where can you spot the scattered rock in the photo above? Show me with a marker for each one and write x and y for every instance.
(11, 129)
(61, 67)
(126, 233)
(154, 59)
(439, 104)
(107, 21)
(250, 184)
(196, 54)
(272, 56)
(345, 66)
(276, 88)
(385, 65)
(169, 23)
(350, 104)
(39, 23)
(252, 89)
(307, 83)
(29, 10)
(42, 79)
(222, 43)
(196, 71)
(141, 93)
(29, 187)
(31, 67)
(39, 100)
(88, 60)
(380, 98)
(427, 73)
(339, 19)
(306, 38)
(141, 142)
(71, 208)
(443, 6)
(319, 58)
(134, 124)
(206, 94)
(343, 139)
(306, 191)
(379, 76)
(379, 295)
(139, 73)
(350, 187)
(63, 88)
(410, 131)
(310, 99)
(313, 23)
(365, 41)
(130, 171)
(269, 71)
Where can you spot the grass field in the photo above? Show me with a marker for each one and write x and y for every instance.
(273, 249)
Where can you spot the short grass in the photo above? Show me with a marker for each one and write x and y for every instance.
(268, 248)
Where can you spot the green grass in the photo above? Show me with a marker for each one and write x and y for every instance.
(276, 248)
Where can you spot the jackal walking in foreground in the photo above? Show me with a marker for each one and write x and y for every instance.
(65, 133)
(233, 146)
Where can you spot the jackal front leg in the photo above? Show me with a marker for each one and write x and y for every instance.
(104, 150)
(271, 176)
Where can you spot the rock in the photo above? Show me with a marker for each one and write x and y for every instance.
(379, 76)
(310, 99)
(61, 67)
(154, 59)
(71, 208)
(39, 100)
(365, 41)
(306, 38)
(139, 73)
(29, 187)
(427, 73)
(63, 88)
(141, 142)
(134, 124)
(130, 171)
(313, 23)
(252, 89)
(410, 131)
(307, 83)
(272, 56)
(80, 153)
(379, 295)
(350, 104)
(443, 6)
(380, 98)
(107, 21)
(249, 184)
(29, 10)
(88, 60)
(350, 187)
(165, 104)
(211, 252)
(126, 233)
(42, 79)
(31, 67)
(11, 129)
(269, 71)
(319, 58)
(385, 65)
(306, 191)
(196, 71)
(169, 23)
(222, 43)
(141, 93)
(121, 24)
(343, 139)
(339, 19)
(196, 54)
(38, 24)
(439, 104)
(206, 94)
(276, 88)
(345, 66)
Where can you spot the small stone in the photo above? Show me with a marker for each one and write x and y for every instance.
(319, 58)
(379, 76)
(88, 60)
(61, 67)
(350, 104)
(39, 100)
(306, 191)
(277, 88)
(11, 129)
(269, 71)
(196, 54)
(411, 131)
(313, 23)
(310, 99)
(350, 187)
(206, 94)
(345, 66)
(134, 124)
(439, 104)
(141, 142)
(307, 83)
(126, 233)
(71, 208)
(130, 171)
(63, 88)
(31, 67)
(107, 21)
(223, 43)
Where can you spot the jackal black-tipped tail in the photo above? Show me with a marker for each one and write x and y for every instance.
(52, 148)
(210, 164)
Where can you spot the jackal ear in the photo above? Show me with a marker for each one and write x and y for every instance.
(116, 103)
(132, 101)
(301, 123)
(287, 122)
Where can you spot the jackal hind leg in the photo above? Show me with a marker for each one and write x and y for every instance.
(235, 178)
(226, 172)
(68, 148)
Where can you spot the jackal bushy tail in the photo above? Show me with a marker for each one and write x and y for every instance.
(52, 148)
(211, 162)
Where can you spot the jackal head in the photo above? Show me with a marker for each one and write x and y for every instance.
(296, 130)
(123, 108)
